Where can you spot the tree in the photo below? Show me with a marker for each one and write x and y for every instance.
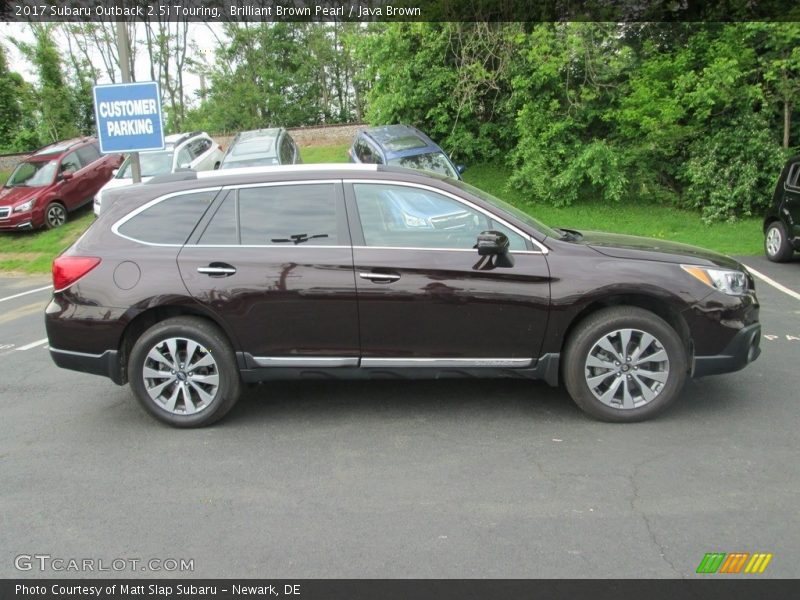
(55, 99)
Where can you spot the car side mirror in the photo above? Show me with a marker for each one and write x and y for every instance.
(67, 175)
(185, 167)
(461, 169)
(492, 243)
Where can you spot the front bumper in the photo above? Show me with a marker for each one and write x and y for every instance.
(743, 349)
(107, 363)
(17, 221)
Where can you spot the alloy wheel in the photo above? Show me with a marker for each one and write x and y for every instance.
(627, 368)
(181, 376)
(773, 241)
(56, 216)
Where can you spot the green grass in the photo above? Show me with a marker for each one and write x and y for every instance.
(744, 237)
(33, 252)
(324, 154)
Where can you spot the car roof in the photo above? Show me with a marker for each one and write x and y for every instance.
(401, 140)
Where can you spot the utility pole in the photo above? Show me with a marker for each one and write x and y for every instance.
(124, 49)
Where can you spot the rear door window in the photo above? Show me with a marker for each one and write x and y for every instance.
(288, 215)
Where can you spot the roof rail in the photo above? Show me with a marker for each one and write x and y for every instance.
(74, 142)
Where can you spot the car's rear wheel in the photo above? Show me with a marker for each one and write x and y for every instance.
(776, 243)
(184, 372)
(624, 364)
(55, 215)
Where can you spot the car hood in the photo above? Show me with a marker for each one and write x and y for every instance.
(15, 195)
(642, 248)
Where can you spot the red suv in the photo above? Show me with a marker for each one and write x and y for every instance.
(52, 182)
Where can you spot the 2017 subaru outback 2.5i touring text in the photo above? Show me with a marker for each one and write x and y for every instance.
(195, 283)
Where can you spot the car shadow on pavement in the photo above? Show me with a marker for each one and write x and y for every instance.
(332, 400)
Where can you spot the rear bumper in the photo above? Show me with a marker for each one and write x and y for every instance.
(743, 349)
(106, 364)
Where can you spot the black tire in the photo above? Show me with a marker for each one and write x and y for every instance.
(776, 243)
(55, 215)
(585, 342)
(211, 342)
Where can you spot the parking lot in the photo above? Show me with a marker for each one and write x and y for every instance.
(498, 479)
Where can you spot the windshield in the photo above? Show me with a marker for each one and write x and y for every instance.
(510, 210)
(33, 174)
(151, 164)
(432, 161)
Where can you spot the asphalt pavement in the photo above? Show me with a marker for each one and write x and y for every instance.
(447, 479)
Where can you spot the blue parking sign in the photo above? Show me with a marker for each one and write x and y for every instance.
(128, 117)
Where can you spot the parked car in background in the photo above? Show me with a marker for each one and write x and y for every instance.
(782, 223)
(261, 148)
(192, 285)
(402, 146)
(195, 151)
(53, 181)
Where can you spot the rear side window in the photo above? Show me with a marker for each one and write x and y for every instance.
(288, 215)
(170, 221)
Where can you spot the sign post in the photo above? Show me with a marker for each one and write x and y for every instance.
(128, 117)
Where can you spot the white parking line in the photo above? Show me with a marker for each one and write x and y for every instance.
(33, 344)
(774, 283)
(41, 289)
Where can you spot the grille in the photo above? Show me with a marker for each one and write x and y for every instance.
(4, 212)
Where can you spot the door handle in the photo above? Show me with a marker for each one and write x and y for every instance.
(217, 270)
(380, 277)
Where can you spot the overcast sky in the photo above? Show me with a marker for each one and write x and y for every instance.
(198, 32)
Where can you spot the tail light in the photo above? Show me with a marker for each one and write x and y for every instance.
(69, 269)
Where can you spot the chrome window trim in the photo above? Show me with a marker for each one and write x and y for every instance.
(119, 223)
(279, 246)
(516, 363)
(306, 361)
(542, 248)
(473, 250)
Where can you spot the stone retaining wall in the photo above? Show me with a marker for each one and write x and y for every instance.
(327, 135)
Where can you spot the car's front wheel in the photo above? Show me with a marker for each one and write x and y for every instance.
(776, 243)
(55, 215)
(624, 364)
(184, 372)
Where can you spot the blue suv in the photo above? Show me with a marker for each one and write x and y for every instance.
(402, 146)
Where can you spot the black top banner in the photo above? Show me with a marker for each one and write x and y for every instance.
(402, 10)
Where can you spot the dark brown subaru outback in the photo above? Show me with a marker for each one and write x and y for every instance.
(194, 283)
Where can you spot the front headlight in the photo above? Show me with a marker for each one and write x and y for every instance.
(733, 283)
(25, 206)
